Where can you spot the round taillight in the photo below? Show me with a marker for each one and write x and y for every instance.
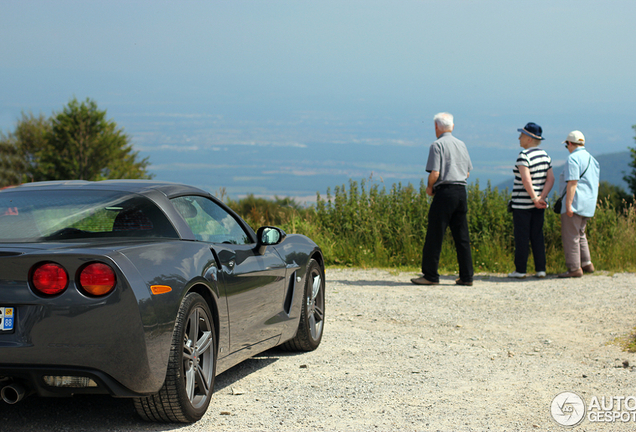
(97, 279)
(49, 279)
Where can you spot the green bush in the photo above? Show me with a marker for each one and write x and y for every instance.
(366, 225)
(261, 211)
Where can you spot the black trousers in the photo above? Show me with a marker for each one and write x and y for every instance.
(448, 209)
(528, 229)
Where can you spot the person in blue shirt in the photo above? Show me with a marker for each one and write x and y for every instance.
(579, 182)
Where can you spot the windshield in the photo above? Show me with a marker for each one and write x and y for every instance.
(53, 215)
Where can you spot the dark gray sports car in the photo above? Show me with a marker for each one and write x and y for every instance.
(145, 290)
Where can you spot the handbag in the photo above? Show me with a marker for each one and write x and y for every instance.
(558, 204)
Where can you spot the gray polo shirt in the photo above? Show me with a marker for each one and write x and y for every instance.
(449, 156)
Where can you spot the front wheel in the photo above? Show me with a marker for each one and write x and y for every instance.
(187, 391)
(312, 315)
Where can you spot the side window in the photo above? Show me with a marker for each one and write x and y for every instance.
(209, 222)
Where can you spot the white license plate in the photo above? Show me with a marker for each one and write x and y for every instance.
(7, 318)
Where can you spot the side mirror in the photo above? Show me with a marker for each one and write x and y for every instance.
(268, 236)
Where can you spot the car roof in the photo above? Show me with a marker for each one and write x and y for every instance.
(170, 189)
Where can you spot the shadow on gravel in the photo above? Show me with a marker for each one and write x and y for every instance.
(506, 279)
(245, 368)
(370, 282)
(443, 280)
(78, 413)
(103, 413)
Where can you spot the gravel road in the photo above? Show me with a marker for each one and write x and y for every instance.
(400, 357)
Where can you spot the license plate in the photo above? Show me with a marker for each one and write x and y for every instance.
(7, 318)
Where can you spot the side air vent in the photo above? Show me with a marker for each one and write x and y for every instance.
(9, 254)
(289, 297)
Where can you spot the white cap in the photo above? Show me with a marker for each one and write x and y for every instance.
(575, 137)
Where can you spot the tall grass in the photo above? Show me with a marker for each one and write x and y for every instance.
(364, 224)
(370, 226)
(612, 237)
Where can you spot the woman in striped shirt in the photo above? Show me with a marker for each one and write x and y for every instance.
(533, 181)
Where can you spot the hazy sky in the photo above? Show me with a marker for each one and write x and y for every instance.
(193, 76)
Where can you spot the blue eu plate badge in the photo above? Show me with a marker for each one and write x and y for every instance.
(6, 318)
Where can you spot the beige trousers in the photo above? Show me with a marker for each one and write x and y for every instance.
(575, 247)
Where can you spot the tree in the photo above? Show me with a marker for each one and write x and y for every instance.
(614, 195)
(82, 144)
(19, 150)
(77, 143)
(631, 179)
(10, 162)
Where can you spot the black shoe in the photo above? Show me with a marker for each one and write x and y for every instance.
(423, 281)
(461, 282)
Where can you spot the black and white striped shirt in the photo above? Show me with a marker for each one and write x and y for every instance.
(538, 162)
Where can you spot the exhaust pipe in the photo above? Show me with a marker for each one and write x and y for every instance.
(13, 393)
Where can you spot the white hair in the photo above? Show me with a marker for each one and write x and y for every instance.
(444, 121)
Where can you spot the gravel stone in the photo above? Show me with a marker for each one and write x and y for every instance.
(401, 357)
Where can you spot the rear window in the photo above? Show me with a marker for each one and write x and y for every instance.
(37, 216)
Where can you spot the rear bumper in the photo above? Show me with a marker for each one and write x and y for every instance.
(33, 378)
(107, 342)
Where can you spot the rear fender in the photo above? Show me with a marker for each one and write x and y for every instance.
(175, 265)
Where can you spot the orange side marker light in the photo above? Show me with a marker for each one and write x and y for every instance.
(160, 289)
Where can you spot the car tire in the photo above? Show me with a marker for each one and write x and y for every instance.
(189, 383)
(312, 315)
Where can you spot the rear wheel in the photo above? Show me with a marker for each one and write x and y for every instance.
(186, 393)
(312, 316)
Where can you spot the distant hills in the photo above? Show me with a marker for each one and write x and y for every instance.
(613, 167)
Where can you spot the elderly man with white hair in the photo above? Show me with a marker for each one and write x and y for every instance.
(448, 166)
